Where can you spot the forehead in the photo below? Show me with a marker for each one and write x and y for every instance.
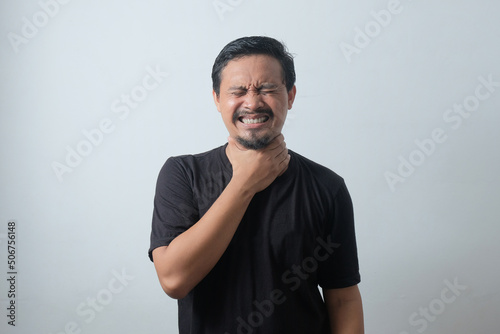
(254, 69)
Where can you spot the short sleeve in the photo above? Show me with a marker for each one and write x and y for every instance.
(174, 208)
(341, 269)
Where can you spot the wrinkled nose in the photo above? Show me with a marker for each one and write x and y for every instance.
(253, 100)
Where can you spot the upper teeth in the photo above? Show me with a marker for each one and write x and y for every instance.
(253, 120)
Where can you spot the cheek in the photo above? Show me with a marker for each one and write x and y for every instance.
(280, 110)
(226, 108)
(227, 116)
(229, 106)
(233, 105)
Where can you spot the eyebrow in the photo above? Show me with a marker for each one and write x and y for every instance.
(265, 85)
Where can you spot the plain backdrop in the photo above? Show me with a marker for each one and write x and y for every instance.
(401, 98)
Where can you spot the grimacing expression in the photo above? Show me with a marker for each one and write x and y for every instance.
(253, 100)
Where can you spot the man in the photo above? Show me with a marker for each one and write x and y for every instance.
(244, 234)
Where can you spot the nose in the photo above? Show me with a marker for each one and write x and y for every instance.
(253, 100)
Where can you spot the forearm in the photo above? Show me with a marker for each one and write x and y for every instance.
(345, 311)
(191, 255)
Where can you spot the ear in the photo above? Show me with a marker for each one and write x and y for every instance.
(291, 96)
(216, 100)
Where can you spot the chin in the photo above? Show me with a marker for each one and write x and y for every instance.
(255, 143)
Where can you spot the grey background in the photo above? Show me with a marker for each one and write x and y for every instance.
(356, 114)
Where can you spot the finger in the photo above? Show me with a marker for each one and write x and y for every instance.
(285, 164)
(282, 150)
(277, 142)
(288, 157)
(279, 138)
(283, 155)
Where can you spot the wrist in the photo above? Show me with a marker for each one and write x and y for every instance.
(240, 189)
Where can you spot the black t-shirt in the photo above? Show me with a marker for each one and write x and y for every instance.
(296, 234)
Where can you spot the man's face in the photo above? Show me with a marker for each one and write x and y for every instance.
(253, 100)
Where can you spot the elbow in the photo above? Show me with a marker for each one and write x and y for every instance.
(174, 289)
(174, 282)
(175, 293)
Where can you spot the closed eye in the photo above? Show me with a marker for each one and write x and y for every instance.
(268, 91)
(265, 89)
(238, 93)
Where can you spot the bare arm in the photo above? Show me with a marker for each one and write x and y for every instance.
(190, 256)
(345, 310)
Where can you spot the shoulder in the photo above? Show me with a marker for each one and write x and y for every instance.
(318, 174)
(190, 162)
(198, 157)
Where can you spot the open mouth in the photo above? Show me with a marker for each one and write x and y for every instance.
(253, 120)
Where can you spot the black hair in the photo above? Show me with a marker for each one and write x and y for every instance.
(254, 45)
